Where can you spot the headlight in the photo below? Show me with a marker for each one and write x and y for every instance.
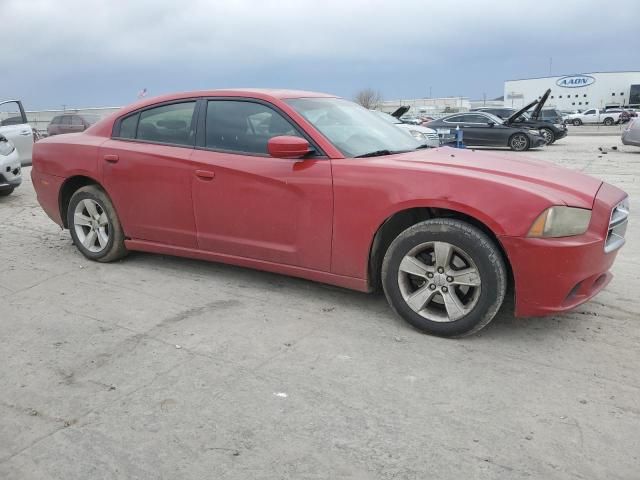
(534, 132)
(557, 125)
(418, 135)
(6, 147)
(561, 222)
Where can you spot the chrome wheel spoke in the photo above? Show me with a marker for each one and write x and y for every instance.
(103, 238)
(442, 252)
(80, 219)
(413, 266)
(91, 208)
(418, 299)
(90, 239)
(453, 305)
(468, 276)
(103, 220)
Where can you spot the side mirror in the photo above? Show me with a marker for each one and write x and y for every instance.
(491, 124)
(286, 146)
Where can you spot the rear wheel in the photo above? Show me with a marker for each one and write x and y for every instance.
(94, 224)
(577, 122)
(608, 121)
(548, 135)
(519, 142)
(7, 192)
(445, 277)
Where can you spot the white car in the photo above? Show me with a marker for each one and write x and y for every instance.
(14, 127)
(10, 171)
(426, 136)
(593, 115)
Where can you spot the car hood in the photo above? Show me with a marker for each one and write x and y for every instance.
(559, 185)
(418, 128)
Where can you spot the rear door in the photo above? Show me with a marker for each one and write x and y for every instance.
(14, 127)
(249, 204)
(147, 172)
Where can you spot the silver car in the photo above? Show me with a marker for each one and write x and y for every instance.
(631, 134)
(10, 171)
(15, 128)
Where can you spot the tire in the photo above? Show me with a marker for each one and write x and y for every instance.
(94, 225)
(474, 259)
(6, 192)
(549, 136)
(577, 122)
(608, 121)
(519, 142)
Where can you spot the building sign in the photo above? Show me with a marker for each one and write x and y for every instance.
(575, 81)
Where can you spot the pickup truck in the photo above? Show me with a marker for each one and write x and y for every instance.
(593, 115)
(14, 127)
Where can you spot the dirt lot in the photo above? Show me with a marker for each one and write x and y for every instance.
(159, 367)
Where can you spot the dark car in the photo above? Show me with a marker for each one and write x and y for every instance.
(71, 123)
(487, 130)
(547, 121)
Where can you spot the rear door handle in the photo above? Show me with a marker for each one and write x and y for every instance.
(205, 174)
(111, 158)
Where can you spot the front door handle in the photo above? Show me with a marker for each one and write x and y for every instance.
(205, 174)
(111, 158)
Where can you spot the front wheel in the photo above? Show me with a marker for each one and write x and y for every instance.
(577, 122)
(548, 135)
(445, 277)
(6, 192)
(519, 142)
(94, 224)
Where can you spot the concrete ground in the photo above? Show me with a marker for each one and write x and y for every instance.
(166, 368)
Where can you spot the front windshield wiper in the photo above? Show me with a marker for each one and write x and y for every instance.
(376, 153)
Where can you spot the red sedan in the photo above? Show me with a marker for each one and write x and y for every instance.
(314, 186)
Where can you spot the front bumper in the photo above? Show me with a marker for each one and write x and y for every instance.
(557, 274)
(536, 141)
(10, 171)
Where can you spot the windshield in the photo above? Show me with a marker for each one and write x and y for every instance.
(353, 129)
(387, 117)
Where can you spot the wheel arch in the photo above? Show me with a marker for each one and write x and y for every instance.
(68, 188)
(405, 218)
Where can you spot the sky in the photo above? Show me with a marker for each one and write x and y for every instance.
(83, 53)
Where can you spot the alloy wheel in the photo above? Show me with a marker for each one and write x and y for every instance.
(519, 142)
(439, 281)
(91, 225)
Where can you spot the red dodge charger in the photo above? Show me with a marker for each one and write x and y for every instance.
(314, 186)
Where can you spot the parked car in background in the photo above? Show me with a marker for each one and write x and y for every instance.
(311, 185)
(593, 116)
(484, 129)
(426, 136)
(71, 123)
(10, 171)
(546, 121)
(15, 128)
(631, 133)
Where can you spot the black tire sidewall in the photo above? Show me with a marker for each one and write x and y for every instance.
(477, 245)
(101, 200)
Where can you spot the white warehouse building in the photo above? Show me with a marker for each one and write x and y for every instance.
(578, 91)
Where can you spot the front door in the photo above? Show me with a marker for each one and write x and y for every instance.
(14, 127)
(147, 173)
(249, 204)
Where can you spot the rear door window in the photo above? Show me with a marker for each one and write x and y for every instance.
(172, 124)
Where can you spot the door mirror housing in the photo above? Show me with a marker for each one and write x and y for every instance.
(490, 123)
(287, 146)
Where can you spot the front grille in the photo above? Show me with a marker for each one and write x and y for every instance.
(617, 226)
